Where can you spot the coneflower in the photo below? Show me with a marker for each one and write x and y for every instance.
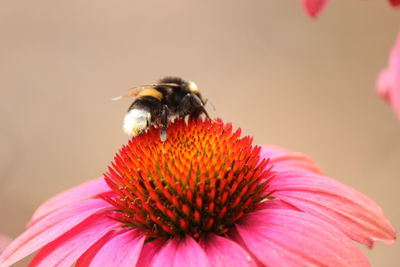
(204, 197)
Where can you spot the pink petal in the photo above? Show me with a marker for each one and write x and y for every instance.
(179, 252)
(394, 2)
(283, 159)
(66, 249)
(396, 98)
(84, 191)
(149, 250)
(340, 205)
(4, 242)
(383, 85)
(50, 228)
(388, 83)
(314, 7)
(292, 238)
(117, 248)
(276, 204)
(224, 252)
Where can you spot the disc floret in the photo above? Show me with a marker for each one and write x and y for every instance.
(202, 179)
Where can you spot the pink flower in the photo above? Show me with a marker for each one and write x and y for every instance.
(205, 197)
(394, 2)
(314, 7)
(388, 84)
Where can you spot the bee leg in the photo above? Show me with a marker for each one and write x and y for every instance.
(206, 113)
(197, 114)
(198, 103)
(193, 105)
(164, 123)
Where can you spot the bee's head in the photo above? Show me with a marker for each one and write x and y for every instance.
(189, 85)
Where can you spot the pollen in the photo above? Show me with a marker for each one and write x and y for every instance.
(202, 179)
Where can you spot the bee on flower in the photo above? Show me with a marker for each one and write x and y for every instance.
(159, 104)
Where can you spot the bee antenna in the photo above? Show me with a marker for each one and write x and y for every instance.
(207, 101)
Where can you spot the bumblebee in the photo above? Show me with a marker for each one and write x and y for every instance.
(158, 104)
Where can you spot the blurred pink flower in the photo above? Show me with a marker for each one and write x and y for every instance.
(394, 2)
(204, 197)
(314, 7)
(388, 83)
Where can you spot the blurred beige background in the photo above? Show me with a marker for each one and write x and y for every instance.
(282, 77)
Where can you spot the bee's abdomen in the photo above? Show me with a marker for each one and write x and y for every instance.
(148, 103)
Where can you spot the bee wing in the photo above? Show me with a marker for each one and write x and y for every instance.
(134, 91)
(167, 84)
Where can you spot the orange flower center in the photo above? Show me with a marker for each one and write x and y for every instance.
(202, 179)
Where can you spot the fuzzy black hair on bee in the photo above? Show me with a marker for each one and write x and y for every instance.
(158, 104)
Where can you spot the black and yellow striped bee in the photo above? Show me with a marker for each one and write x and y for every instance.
(157, 104)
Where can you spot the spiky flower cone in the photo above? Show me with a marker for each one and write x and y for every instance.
(202, 179)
